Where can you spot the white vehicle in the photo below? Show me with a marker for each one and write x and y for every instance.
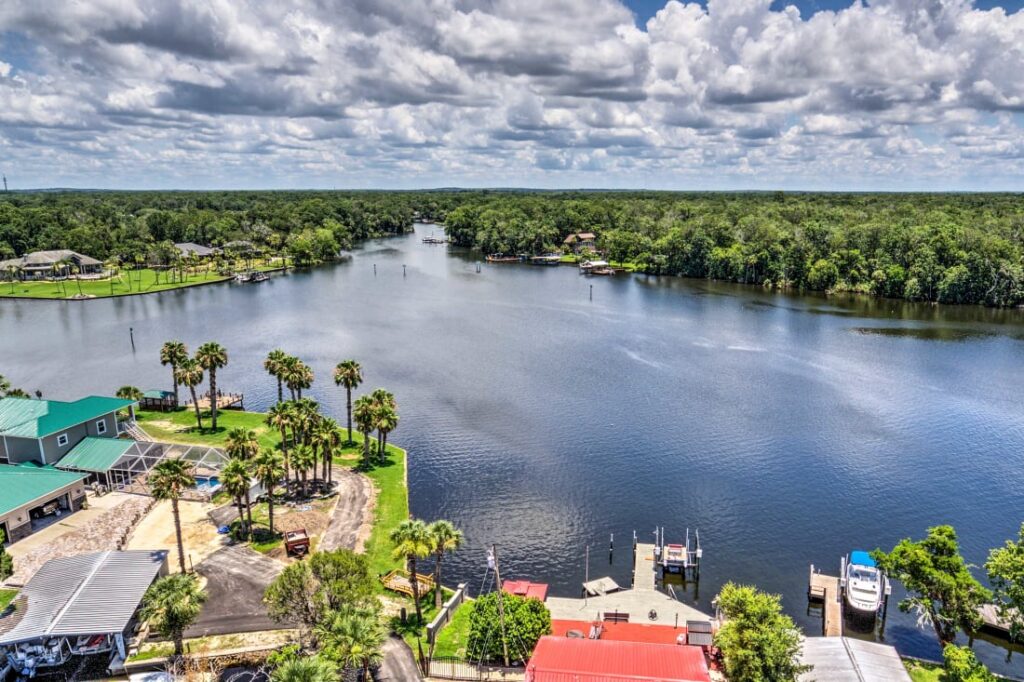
(864, 583)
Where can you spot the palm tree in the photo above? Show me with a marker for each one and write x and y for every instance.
(303, 459)
(173, 353)
(190, 374)
(306, 669)
(75, 270)
(297, 376)
(212, 356)
(132, 393)
(236, 481)
(355, 638)
(167, 481)
(242, 443)
(412, 542)
(327, 437)
(172, 604)
(348, 374)
(444, 537)
(269, 469)
(275, 366)
(279, 416)
(364, 412)
(387, 421)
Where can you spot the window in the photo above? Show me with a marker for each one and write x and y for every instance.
(101, 426)
(62, 440)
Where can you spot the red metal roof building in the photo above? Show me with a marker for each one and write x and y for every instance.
(524, 588)
(564, 659)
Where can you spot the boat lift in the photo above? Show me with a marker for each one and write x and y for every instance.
(679, 558)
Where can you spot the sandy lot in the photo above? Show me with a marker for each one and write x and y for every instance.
(199, 535)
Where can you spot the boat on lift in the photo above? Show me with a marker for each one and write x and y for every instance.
(864, 583)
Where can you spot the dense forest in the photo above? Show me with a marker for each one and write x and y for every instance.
(949, 248)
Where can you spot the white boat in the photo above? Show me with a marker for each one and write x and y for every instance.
(864, 583)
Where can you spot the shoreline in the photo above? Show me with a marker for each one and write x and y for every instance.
(187, 285)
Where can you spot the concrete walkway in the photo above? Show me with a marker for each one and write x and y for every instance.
(399, 662)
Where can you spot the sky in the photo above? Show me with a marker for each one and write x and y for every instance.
(720, 94)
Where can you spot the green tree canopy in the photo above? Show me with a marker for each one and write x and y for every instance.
(758, 642)
(172, 604)
(1005, 568)
(941, 589)
(526, 621)
(961, 665)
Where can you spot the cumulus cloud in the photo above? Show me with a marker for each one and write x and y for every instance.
(193, 93)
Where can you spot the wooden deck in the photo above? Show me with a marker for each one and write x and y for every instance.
(398, 581)
(643, 567)
(825, 588)
(224, 401)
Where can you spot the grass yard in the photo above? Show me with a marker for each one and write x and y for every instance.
(214, 643)
(180, 426)
(6, 597)
(124, 283)
(451, 641)
(924, 672)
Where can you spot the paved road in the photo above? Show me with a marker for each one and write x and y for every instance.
(353, 499)
(236, 577)
(399, 662)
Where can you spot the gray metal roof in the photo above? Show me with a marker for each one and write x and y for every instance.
(842, 659)
(88, 594)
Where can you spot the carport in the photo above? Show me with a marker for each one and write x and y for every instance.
(78, 606)
(31, 494)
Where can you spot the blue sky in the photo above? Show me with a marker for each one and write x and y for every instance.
(735, 94)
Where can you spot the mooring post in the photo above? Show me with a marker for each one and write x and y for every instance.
(131, 335)
(591, 292)
(374, 269)
(403, 269)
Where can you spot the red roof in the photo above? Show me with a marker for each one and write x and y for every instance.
(622, 632)
(524, 588)
(563, 659)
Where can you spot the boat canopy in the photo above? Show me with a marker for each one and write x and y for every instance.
(861, 558)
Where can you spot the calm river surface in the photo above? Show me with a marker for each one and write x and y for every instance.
(789, 429)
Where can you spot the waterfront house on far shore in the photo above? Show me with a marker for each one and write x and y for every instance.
(187, 249)
(44, 431)
(48, 264)
(581, 241)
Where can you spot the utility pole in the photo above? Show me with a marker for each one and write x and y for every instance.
(501, 603)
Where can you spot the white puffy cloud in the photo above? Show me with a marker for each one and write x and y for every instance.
(196, 93)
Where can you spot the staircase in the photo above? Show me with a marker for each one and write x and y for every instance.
(135, 431)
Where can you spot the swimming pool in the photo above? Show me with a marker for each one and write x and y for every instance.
(207, 483)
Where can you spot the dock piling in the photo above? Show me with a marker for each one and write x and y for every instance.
(131, 335)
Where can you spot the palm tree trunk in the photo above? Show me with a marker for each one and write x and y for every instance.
(384, 450)
(174, 378)
(280, 390)
(179, 642)
(348, 410)
(270, 507)
(213, 397)
(366, 448)
(177, 533)
(241, 511)
(316, 469)
(414, 583)
(299, 392)
(437, 581)
(195, 402)
(248, 513)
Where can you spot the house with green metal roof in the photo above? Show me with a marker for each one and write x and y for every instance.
(29, 494)
(45, 431)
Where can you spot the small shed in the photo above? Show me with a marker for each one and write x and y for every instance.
(524, 588)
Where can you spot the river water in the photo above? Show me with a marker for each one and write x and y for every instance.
(788, 429)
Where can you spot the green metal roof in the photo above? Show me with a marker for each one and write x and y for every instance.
(26, 418)
(94, 454)
(21, 485)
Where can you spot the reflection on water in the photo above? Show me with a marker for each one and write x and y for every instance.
(539, 419)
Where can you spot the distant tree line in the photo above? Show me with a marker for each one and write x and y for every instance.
(946, 248)
(141, 227)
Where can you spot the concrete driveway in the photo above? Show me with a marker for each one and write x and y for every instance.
(236, 578)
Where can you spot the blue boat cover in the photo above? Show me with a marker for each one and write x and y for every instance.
(861, 558)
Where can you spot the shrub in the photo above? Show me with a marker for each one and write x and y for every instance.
(526, 621)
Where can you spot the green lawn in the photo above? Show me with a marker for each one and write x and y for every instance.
(6, 597)
(451, 641)
(124, 283)
(180, 426)
(924, 672)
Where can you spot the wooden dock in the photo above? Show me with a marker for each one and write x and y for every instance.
(825, 589)
(644, 569)
(224, 401)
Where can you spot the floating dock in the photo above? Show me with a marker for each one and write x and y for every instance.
(825, 589)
